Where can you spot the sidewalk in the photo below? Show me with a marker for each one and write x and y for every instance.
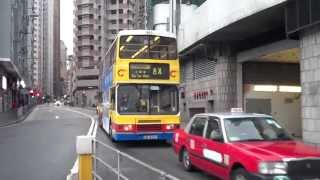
(11, 117)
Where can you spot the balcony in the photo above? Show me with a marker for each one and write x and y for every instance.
(86, 42)
(84, 32)
(87, 83)
(112, 26)
(121, 6)
(79, 2)
(85, 21)
(121, 16)
(85, 11)
(87, 72)
(86, 53)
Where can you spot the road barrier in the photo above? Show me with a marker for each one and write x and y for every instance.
(115, 164)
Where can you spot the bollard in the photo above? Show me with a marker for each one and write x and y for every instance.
(84, 150)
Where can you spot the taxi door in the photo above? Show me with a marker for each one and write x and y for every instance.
(194, 141)
(214, 149)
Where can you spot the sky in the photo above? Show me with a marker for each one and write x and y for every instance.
(66, 24)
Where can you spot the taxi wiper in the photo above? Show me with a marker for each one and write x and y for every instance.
(250, 140)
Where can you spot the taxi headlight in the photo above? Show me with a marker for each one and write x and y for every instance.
(273, 167)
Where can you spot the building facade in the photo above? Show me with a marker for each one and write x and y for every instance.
(89, 47)
(50, 45)
(35, 44)
(264, 59)
(63, 70)
(15, 65)
(96, 26)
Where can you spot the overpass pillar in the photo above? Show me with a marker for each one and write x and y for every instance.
(226, 80)
(310, 83)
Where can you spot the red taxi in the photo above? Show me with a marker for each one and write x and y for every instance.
(244, 146)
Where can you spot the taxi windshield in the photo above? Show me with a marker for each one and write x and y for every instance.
(254, 129)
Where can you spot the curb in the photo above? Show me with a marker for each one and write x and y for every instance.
(20, 119)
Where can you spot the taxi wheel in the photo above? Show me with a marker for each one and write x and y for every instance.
(240, 174)
(186, 160)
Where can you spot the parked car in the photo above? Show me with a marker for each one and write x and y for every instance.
(244, 146)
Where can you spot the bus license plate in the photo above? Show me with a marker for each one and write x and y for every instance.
(150, 137)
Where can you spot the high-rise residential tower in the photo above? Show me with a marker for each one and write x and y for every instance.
(89, 48)
(96, 24)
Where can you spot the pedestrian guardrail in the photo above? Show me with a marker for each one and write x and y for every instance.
(98, 160)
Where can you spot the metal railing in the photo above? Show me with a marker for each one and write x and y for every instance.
(98, 160)
(122, 166)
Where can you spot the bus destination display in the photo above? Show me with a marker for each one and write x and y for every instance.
(149, 71)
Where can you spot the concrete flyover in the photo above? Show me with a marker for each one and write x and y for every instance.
(255, 54)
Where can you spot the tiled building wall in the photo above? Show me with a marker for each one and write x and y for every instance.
(310, 82)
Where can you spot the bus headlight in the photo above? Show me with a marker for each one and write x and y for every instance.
(273, 167)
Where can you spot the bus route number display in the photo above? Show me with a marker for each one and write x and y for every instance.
(149, 71)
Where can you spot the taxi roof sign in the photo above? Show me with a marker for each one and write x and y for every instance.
(236, 110)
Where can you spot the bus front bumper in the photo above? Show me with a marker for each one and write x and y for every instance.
(141, 136)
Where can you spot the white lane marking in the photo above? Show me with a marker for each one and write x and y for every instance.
(212, 155)
(91, 132)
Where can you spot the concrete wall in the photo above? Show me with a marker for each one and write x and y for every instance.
(285, 108)
(216, 14)
(310, 81)
(5, 33)
(192, 87)
(86, 99)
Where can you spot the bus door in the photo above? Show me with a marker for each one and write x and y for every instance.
(110, 108)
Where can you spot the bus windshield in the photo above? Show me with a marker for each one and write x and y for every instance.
(147, 99)
(147, 47)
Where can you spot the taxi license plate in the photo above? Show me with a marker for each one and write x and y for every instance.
(150, 137)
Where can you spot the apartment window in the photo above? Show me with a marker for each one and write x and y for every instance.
(120, 1)
(113, 1)
(120, 21)
(120, 11)
(113, 22)
(113, 11)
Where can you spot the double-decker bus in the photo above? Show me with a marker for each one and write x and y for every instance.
(139, 83)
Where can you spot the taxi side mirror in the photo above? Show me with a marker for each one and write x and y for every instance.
(216, 136)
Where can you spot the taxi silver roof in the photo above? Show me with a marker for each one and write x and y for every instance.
(233, 115)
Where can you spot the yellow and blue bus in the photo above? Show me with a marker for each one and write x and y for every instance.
(140, 77)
